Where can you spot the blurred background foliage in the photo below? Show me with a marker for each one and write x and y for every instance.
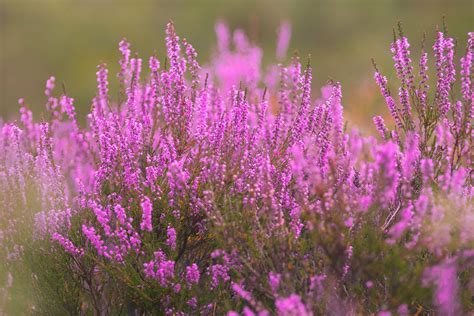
(68, 38)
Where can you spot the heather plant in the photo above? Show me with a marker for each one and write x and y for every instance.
(226, 188)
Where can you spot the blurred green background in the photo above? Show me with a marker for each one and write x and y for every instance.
(68, 38)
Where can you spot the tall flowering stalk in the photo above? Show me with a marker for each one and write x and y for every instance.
(442, 122)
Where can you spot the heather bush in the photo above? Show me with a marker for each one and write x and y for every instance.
(229, 188)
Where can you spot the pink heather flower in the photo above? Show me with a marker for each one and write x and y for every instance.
(248, 312)
(274, 280)
(291, 306)
(154, 64)
(382, 83)
(219, 272)
(165, 271)
(147, 208)
(124, 48)
(50, 84)
(160, 269)
(336, 112)
(444, 277)
(349, 253)
(422, 92)
(193, 65)
(446, 71)
(103, 217)
(120, 213)
(295, 223)
(403, 310)
(349, 222)
(386, 162)
(96, 241)
(102, 83)
(302, 115)
(223, 36)
(405, 102)
(411, 155)
(67, 107)
(395, 137)
(284, 36)
(426, 166)
(316, 282)
(242, 65)
(171, 241)
(401, 56)
(26, 117)
(68, 245)
(192, 302)
(245, 295)
(173, 49)
(379, 123)
(132, 93)
(192, 275)
(52, 101)
(177, 176)
(466, 66)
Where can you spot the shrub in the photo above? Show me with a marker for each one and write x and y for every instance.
(206, 190)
